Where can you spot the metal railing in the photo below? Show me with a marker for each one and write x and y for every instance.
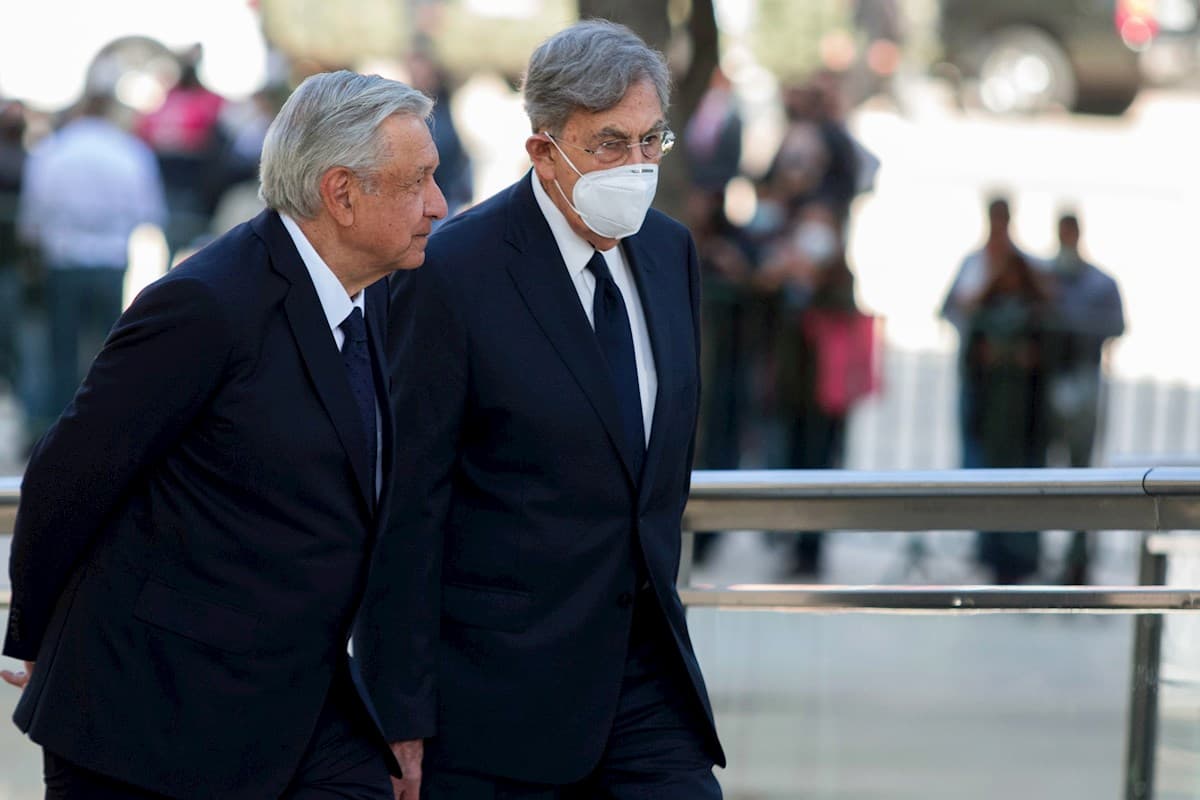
(1145, 501)
(1136, 499)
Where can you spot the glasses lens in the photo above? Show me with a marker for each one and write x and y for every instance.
(657, 145)
(611, 151)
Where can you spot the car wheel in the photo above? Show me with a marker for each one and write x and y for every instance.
(1024, 69)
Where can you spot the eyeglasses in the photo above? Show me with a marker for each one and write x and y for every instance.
(616, 151)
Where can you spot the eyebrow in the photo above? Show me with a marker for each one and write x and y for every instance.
(607, 133)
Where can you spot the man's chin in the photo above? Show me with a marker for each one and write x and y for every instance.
(411, 260)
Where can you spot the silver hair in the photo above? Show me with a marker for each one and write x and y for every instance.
(331, 120)
(589, 66)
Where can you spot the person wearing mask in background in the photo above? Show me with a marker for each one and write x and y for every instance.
(197, 530)
(823, 354)
(1085, 315)
(86, 189)
(547, 365)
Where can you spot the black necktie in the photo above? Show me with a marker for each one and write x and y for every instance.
(356, 355)
(611, 321)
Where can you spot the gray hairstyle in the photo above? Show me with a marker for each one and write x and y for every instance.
(589, 66)
(331, 120)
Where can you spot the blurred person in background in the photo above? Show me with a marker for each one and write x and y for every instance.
(880, 28)
(970, 280)
(805, 199)
(196, 531)
(86, 188)
(823, 353)
(185, 135)
(1004, 367)
(245, 127)
(1085, 315)
(547, 360)
(712, 141)
(454, 174)
(727, 264)
(712, 145)
(12, 169)
(816, 161)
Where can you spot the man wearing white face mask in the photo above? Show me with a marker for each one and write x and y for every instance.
(546, 370)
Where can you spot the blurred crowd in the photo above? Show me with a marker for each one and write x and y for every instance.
(76, 185)
(788, 350)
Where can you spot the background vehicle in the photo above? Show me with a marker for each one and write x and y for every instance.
(1082, 55)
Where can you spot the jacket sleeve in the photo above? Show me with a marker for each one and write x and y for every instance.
(159, 366)
(397, 630)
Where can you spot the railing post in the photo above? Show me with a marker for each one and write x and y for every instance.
(1143, 698)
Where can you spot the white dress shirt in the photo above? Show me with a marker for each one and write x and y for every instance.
(576, 253)
(337, 305)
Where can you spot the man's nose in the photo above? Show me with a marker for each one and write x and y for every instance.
(435, 206)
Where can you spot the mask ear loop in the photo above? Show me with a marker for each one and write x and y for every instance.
(558, 185)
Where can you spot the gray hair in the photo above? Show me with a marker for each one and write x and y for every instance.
(331, 120)
(589, 66)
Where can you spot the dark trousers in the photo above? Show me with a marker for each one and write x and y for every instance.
(342, 762)
(656, 749)
(82, 305)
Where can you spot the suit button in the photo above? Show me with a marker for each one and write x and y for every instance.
(625, 600)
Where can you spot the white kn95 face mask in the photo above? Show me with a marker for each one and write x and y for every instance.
(612, 202)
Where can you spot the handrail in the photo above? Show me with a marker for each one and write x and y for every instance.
(766, 495)
(1135, 499)
(1132, 498)
(1140, 499)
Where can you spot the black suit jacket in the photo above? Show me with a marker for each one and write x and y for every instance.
(511, 466)
(195, 532)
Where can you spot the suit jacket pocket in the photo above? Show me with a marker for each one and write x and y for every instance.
(496, 609)
(218, 626)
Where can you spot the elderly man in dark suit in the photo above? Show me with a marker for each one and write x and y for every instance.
(546, 366)
(196, 531)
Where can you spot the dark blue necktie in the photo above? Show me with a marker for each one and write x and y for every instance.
(611, 321)
(356, 355)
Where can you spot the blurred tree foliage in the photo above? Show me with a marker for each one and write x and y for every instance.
(786, 36)
(335, 33)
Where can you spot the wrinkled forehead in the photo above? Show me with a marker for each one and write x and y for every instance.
(638, 113)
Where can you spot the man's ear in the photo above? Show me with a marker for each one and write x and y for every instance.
(542, 154)
(339, 191)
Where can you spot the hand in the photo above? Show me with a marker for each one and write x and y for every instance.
(408, 755)
(18, 679)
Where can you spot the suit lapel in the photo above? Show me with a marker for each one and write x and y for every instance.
(318, 348)
(648, 276)
(542, 279)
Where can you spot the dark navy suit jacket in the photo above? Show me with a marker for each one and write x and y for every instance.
(195, 532)
(509, 423)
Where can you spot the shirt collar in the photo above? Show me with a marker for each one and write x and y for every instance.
(334, 301)
(575, 250)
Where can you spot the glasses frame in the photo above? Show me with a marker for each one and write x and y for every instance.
(615, 145)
